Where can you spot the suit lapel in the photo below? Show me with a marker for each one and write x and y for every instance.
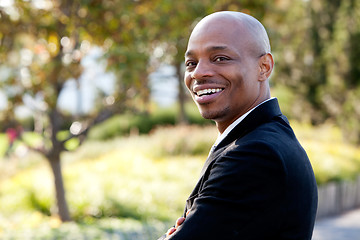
(263, 113)
(212, 156)
(260, 115)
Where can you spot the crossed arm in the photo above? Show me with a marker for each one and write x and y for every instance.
(242, 194)
(178, 222)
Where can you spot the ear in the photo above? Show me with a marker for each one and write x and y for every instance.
(266, 65)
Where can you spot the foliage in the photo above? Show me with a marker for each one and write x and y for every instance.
(141, 180)
(143, 123)
(125, 124)
(315, 57)
(41, 48)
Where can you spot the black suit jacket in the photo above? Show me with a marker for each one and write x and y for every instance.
(258, 184)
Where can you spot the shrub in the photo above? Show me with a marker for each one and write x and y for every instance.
(123, 125)
(181, 140)
(143, 123)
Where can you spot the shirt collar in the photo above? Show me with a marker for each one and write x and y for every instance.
(236, 122)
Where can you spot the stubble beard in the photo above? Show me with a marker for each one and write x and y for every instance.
(213, 114)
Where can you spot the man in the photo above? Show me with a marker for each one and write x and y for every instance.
(257, 182)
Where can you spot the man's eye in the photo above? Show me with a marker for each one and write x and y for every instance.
(220, 59)
(190, 64)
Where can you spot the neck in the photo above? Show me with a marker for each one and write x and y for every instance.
(221, 126)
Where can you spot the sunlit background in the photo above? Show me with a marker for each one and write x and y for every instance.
(99, 138)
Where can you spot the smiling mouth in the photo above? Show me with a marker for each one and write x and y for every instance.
(208, 91)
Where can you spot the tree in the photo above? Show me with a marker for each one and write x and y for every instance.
(41, 47)
(319, 62)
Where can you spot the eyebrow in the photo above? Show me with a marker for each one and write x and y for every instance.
(209, 49)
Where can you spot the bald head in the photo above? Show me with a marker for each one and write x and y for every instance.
(243, 26)
(228, 64)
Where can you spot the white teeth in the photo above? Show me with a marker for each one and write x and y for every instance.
(206, 91)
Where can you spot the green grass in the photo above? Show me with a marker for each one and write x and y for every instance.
(135, 187)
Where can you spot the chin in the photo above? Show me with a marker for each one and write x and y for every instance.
(206, 116)
(211, 115)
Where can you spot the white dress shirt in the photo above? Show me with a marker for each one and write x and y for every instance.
(234, 124)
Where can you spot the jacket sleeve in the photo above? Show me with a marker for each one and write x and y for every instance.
(242, 198)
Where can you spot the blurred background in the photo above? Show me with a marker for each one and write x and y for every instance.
(99, 138)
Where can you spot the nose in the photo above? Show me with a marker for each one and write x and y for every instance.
(203, 69)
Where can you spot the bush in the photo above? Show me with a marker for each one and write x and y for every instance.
(124, 125)
(129, 123)
(181, 140)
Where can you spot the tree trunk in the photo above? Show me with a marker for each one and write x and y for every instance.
(59, 189)
(182, 118)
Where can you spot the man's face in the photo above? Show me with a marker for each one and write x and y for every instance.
(222, 71)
